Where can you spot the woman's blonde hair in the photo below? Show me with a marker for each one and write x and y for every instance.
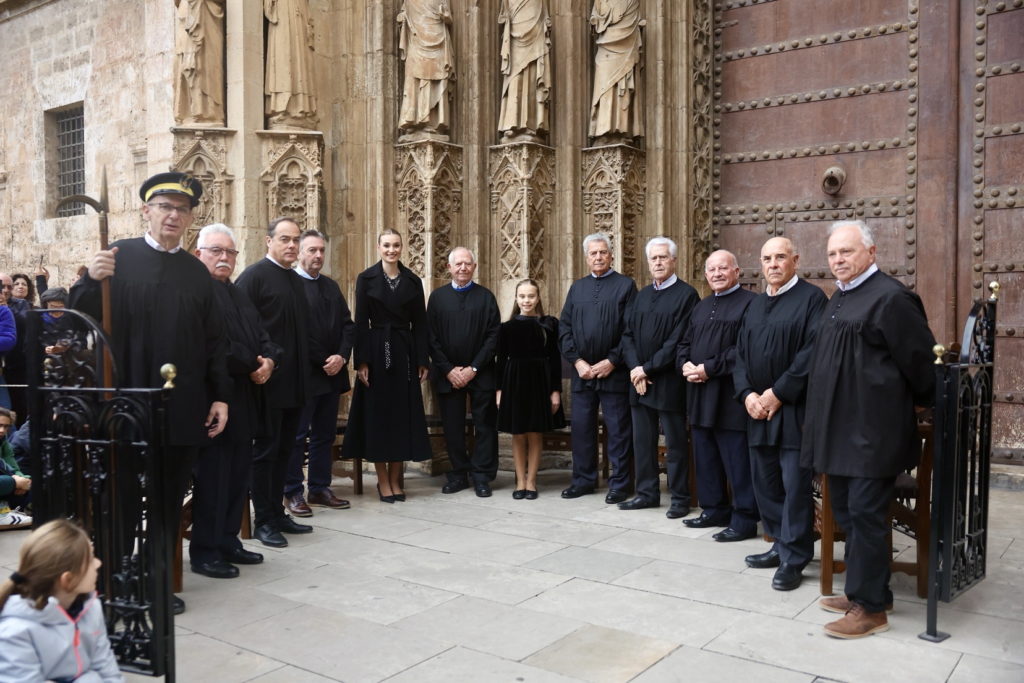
(54, 548)
(389, 231)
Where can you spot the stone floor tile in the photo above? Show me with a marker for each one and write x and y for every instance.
(688, 665)
(489, 545)
(588, 563)
(667, 618)
(213, 660)
(602, 655)
(749, 592)
(461, 664)
(804, 647)
(290, 674)
(972, 669)
(374, 598)
(449, 509)
(334, 645)
(216, 607)
(545, 528)
(481, 578)
(1014, 551)
(490, 627)
(367, 520)
(701, 552)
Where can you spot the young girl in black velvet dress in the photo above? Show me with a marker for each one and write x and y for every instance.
(529, 383)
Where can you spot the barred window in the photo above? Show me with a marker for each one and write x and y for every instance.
(71, 158)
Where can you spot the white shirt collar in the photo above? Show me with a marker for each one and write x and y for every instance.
(728, 291)
(606, 274)
(784, 288)
(859, 280)
(300, 271)
(271, 259)
(672, 279)
(159, 247)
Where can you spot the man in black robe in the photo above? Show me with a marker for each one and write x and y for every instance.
(773, 352)
(331, 336)
(464, 323)
(655, 321)
(871, 366)
(590, 336)
(164, 311)
(276, 292)
(221, 477)
(718, 423)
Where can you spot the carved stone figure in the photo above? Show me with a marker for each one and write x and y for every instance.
(617, 105)
(199, 62)
(526, 66)
(425, 45)
(290, 100)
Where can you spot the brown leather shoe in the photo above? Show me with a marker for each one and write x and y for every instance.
(841, 605)
(327, 499)
(857, 624)
(297, 506)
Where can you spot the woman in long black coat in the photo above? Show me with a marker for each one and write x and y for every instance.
(386, 425)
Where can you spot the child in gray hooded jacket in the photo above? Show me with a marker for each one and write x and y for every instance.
(51, 622)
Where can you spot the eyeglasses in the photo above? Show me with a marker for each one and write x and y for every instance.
(164, 207)
(6, 286)
(220, 251)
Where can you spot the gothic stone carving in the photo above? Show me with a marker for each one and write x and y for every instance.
(289, 88)
(425, 46)
(701, 147)
(526, 67)
(204, 154)
(613, 197)
(522, 180)
(616, 109)
(428, 174)
(292, 175)
(199, 62)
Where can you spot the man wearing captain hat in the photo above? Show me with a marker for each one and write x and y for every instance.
(163, 310)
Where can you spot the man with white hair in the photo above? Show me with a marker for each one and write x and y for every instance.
(655, 322)
(872, 365)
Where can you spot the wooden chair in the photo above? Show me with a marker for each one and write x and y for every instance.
(909, 513)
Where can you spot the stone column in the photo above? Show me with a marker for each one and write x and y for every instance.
(428, 176)
(203, 152)
(292, 176)
(614, 193)
(522, 181)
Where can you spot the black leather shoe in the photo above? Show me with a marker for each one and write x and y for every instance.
(576, 491)
(454, 486)
(615, 496)
(217, 569)
(729, 535)
(787, 577)
(763, 560)
(637, 503)
(530, 495)
(519, 494)
(177, 605)
(704, 521)
(290, 526)
(483, 489)
(268, 535)
(677, 511)
(242, 556)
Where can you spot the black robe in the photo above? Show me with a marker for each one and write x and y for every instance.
(529, 369)
(246, 340)
(331, 331)
(386, 421)
(655, 322)
(872, 364)
(591, 326)
(277, 294)
(710, 338)
(773, 351)
(463, 332)
(164, 311)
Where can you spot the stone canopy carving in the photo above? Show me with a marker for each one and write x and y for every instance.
(204, 154)
(526, 67)
(292, 176)
(616, 113)
(425, 46)
(428, 175)
(290, 94)
(199, 62)
(614, 178)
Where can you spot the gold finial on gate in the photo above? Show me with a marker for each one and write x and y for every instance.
(168, 372)
(939, 350)
(994, 288)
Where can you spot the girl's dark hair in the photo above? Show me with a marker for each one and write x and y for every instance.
(54, 548)
(515, 304)
(31, 298)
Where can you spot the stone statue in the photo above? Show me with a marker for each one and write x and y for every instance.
(199, 62)
(425, 45)
(289, 87)
(526, 66)
(617, 106)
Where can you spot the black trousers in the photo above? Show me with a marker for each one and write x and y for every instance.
(271, 453)
(721, 456)
(318, 421)
(861, 507)
(645, 447)
(783, 492)
(482, 466)
(219, 491)
(615, 408)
